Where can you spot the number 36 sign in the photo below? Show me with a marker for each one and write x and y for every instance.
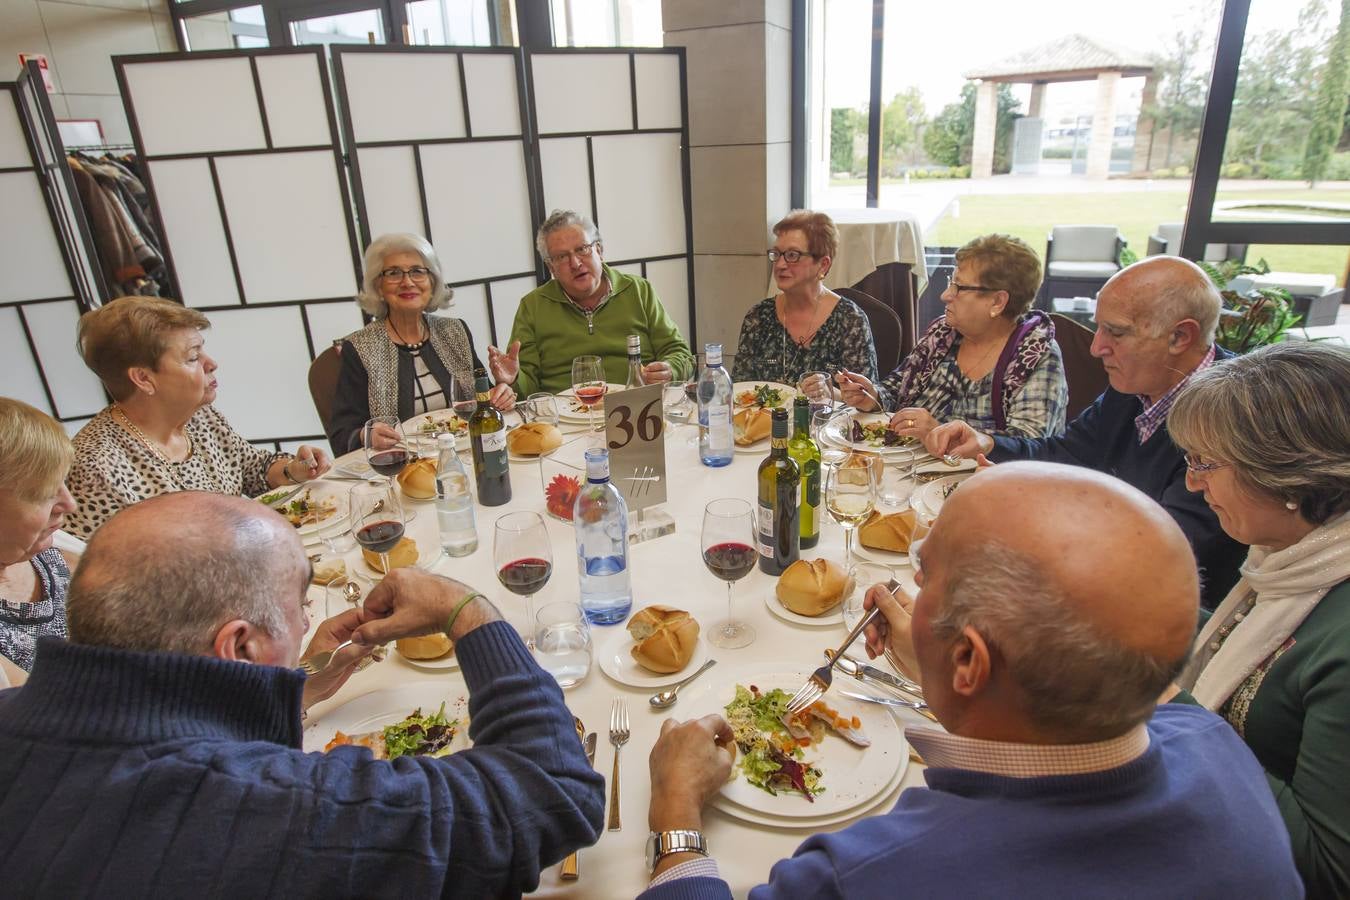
(635, 434)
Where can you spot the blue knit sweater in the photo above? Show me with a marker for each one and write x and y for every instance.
(1102, 437)
(1192, 817)
(161, 775)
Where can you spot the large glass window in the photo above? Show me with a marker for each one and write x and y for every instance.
(839, 100)
(360, 27)
(458, 22)
(234, 29)
(607, 23)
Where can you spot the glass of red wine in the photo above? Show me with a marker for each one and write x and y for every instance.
(728, 544)
(462, 398)
(588, 383)
(523, 555)
(377, 518)
(386, 446)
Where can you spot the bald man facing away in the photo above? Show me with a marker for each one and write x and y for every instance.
(157, 753)
(1155, 329)
(1057, 775)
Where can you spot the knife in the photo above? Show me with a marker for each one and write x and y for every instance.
(571, 866)
(886, 678)
(913, 705)
(288, 495)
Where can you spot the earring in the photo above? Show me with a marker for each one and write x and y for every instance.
(1290, 505)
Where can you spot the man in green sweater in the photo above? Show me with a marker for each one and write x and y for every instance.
(587, 308)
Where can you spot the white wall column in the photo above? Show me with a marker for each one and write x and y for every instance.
(986, 122)
(1103, 126)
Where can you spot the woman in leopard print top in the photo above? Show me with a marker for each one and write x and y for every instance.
(35, 455)
(161, 433)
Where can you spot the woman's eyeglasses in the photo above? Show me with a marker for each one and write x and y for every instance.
(789, 256)
(418, 274)
(1197, 466)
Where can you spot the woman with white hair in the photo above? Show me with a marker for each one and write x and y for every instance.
(402, 363)
(1267, 440)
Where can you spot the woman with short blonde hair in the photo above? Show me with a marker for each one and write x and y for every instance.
(405, 362)
(35, 455)
(1267, 440)
(161, 433)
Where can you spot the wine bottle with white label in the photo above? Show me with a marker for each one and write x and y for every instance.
(778, 527)
(487, 437)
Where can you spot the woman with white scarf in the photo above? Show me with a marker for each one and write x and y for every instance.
(1267, 439)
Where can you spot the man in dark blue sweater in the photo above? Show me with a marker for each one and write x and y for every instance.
(157, 754)
(1057, 775)
(1155, 328)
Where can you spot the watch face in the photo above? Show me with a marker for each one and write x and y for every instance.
(652, 839)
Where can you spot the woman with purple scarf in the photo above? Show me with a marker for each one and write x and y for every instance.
(989, 359)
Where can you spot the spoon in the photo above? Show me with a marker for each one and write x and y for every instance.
(666, 698)
(952, 459)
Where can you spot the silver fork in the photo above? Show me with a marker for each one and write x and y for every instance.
(821, 678)
(319, 661)
(618, 736)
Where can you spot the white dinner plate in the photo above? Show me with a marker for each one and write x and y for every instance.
(570, 410)
(432, 423)
(833, 617)
(852, 776)
(384, 707)
(928, 498)
(837, 432)
(884, 557)
(614, 653)
(320, 491)
(741, 387)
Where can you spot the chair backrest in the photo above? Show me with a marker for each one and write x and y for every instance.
(1171, 237)
(323, 377)
(1083, 371)
(1083, 243)
(885, 324)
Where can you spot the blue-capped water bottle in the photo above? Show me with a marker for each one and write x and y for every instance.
(600, 518)
(714, 410)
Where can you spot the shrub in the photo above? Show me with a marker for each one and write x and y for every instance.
(1339, 168)
(1236, 170)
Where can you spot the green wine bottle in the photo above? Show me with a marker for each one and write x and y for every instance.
(779, 489)
(487, 437)
(806, 455)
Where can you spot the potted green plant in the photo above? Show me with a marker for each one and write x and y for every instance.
(1252, 319)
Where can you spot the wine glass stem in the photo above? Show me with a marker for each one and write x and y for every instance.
(848, 547)
(730, 628)
(384, 562)
(529, 621)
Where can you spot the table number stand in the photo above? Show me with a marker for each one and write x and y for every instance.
(635, 435)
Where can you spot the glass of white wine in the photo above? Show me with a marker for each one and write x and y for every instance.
(851, 494)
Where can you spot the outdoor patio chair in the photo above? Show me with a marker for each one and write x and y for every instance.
(1082, 371)
(887, 329)
(1078, 260)
(1166, 241)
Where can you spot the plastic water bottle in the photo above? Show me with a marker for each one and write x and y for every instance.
(601, 520)
(714, 410)
(454, 501)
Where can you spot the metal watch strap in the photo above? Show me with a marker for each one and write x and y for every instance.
(661, 844)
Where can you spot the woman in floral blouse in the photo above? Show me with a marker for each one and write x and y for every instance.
(806, 327)
(989, 359)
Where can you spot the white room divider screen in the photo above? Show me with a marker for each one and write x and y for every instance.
(45, 255)
(242, 159)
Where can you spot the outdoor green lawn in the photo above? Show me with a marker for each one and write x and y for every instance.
(1030, 216)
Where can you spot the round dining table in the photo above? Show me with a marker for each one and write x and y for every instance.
(666, 570)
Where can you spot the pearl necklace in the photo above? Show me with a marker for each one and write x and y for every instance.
(151, 445)
(1227, 628)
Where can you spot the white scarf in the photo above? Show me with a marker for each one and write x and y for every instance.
(1288, 585)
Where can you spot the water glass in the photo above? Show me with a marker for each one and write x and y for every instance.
(918, 533)
(542, 406)
(863, 576)
(817, 389)
(562, 643)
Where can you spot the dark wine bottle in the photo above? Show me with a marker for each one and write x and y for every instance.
(487, 437)
(806, 455)
(778, 528)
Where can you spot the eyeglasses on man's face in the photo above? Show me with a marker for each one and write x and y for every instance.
(789, 256)
(395, 275)
(582, 253)
(1196, 465)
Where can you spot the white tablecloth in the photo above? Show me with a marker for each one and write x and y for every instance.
(665, 570)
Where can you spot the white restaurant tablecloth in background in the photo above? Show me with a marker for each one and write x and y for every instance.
(666, 570)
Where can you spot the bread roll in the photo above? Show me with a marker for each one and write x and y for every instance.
(664, 638)
(533, 439)
(429, 646)
(403, 554)
(326, 571)
(889, 532)
(753, 424)
(418, 478)
(812, 587)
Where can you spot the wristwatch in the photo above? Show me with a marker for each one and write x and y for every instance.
(663, 843)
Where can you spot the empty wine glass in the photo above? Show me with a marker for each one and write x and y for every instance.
(678, 408)
(830, 454)
(588, 383)
(386, 445)
(728, 544)
(378, 521)
(523, 556)
(851, 494)
(542, 407)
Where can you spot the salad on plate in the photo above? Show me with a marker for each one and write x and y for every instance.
(416, 735)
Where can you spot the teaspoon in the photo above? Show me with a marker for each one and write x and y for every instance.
(667, 697)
